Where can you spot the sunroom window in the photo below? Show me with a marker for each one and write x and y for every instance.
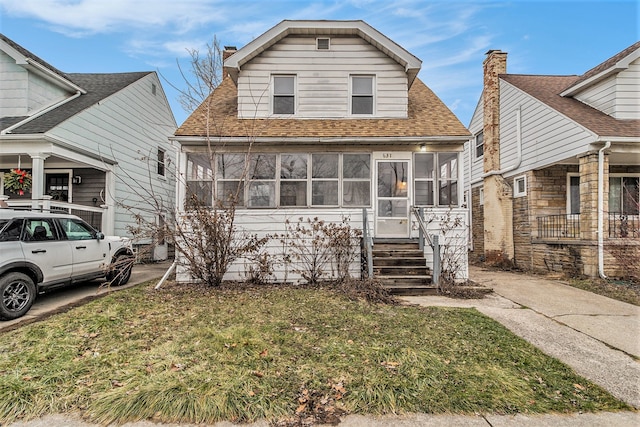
(293, 179)
(436, 179)
(356, 180)
(262, 180)
(229, 173)
(199, 179)
(324, 180)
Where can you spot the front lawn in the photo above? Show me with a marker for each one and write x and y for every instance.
(188, 354)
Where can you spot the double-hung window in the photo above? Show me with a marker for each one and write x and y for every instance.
(324, 179)
(436, 179)
(293, 179)
(356, 179)
(479, 145)
(284, 97)
(161, 161)
(199, 179)
(262, 180)
(362, 94)
(624, 194)
(230, 169)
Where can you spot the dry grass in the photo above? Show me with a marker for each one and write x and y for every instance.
(287, 354)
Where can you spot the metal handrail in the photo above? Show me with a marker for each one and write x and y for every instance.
(368, 242)
(424, 233)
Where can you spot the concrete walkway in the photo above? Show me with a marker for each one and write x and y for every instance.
(592, 334)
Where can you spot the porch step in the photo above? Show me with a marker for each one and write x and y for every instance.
(400, 266)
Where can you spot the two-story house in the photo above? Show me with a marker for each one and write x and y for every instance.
(331, 120)
(96, 145)
(554, 168)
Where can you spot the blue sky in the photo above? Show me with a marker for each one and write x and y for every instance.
(450, 37)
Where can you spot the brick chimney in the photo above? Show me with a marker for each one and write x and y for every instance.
(498, 200)
(494, 65)
(227, 52)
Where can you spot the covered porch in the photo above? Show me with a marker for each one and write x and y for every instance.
(64, 179)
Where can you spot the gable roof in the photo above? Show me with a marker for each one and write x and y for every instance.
(96, 86)
(359, 28)
(616, 63)
(548, 89)
(427, 117)
(34, 63)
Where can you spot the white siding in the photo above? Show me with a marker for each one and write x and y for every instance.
(547, 136)
(322, 78)
(24, 93)
(474, 167)
(618, 95)
(129, 127)
(270, 222)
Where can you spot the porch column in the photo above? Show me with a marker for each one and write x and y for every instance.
(37, 175)
(181, 180)
(589, 207)
(109, 206)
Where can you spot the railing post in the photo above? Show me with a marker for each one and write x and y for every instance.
(437, 267)
(366, 235)
(420, 233)
(46, 203)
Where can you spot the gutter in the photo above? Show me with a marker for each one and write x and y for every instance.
(40, 113)
(600, 209)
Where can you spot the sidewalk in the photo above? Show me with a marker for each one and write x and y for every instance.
(593, 334)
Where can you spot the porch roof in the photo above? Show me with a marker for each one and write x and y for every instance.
(548, 89)
(428, 116)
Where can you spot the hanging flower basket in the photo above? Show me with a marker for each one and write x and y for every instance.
(18, 181)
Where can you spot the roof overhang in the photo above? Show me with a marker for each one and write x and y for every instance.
(359, 28)
(621, 65)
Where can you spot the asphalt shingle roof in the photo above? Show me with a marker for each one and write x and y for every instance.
(548, 88)
(427, 116)
(98, 87)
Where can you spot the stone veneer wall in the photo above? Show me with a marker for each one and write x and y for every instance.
(477, 227)
(522, 227)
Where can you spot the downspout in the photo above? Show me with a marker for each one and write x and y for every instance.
(40, 113)
(600, 209)
(469, 198)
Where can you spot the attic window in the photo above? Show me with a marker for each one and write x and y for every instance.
(322, 44)
(153, 88)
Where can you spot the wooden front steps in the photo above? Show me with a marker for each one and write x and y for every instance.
(400, 266)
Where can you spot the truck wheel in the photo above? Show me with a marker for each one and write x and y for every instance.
(17, 293)
(120, 271)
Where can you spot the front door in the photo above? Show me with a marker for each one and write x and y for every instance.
(57, 186)
(392, 201)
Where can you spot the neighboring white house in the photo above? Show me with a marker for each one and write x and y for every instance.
(332, 120)
(554, 168)
(94, 143)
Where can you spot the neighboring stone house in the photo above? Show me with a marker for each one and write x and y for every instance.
(333, 122)
(554, 168)
(96, 145)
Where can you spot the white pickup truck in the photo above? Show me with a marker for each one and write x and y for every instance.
(41, 251)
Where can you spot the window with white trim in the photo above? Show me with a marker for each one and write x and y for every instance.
(573, 194)
(324, 179)
(262, 181)
(230, 168)
(199, 179)
(356, 180)
(293, 179)
(284, 96)
(436, 179)
(479, 145)
(624, 194)
(161, 162)
(520, 186)
(362, 95)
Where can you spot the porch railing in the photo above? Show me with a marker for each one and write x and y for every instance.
(91, 214)
(559, 226)
(367, 240)
(432, 241)
(623, 225)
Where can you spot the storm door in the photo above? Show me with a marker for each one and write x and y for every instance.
(392, 198)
